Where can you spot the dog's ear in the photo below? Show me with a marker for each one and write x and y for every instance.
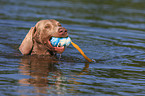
(27, 44)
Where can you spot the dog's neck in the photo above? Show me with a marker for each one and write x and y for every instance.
(41, 49)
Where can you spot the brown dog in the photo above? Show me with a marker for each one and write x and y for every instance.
(37, 40)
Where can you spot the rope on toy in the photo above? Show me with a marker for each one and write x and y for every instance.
(80, 50)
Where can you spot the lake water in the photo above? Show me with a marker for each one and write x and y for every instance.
(112, 32)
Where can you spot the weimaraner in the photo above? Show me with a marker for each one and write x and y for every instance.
(37, 40)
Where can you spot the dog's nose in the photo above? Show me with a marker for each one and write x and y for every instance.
(62, 31)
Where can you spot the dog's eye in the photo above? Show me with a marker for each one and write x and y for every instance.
(47, 26)
(59, 24)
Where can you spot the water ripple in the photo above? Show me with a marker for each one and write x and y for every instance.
(109, 32)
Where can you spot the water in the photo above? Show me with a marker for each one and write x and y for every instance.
(112, 32)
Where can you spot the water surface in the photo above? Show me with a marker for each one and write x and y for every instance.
(112, 32)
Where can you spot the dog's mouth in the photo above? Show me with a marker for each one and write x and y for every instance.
(57, 49)
(62, 33)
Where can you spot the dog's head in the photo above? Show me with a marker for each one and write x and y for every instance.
(41, 35)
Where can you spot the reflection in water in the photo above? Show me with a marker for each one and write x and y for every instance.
(44, 76)
(39, 68)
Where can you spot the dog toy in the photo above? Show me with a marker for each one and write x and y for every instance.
(59, 42)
